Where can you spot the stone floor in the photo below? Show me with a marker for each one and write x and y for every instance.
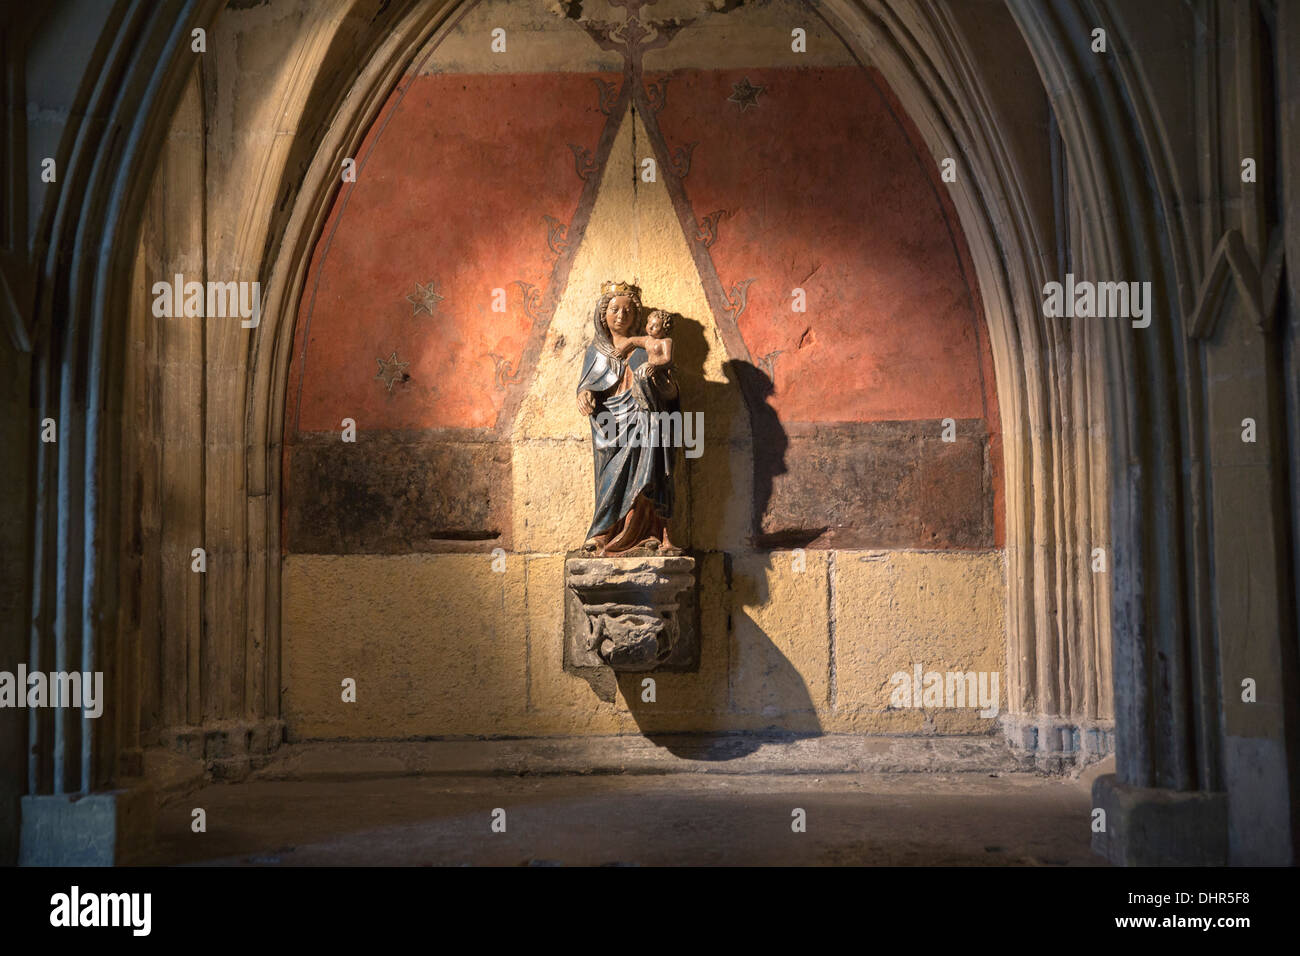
(1005, 818)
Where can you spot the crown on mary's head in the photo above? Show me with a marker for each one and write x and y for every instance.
(620, 288)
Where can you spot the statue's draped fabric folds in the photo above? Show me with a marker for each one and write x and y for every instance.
(627, 397)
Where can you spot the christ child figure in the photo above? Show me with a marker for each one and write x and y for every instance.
(658, 346)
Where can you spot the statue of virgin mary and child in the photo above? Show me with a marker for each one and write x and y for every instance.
(628, 387)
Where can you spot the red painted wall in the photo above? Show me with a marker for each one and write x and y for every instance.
(824, 191)
(453, 185)
(826, 187)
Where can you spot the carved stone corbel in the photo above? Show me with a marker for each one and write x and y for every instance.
(631, 614)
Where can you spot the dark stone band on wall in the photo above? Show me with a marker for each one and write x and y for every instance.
(826, 484)
(397, 497)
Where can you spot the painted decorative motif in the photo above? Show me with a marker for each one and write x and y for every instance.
(424, 299)
(391, 371)
(745, 94)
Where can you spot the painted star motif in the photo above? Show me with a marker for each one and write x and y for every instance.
(423, 299)
(391, 370)
(745, 94)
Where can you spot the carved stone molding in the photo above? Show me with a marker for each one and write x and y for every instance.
(1057, 743)
(1257, 285)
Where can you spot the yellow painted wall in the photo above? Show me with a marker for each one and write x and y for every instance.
(442, 645)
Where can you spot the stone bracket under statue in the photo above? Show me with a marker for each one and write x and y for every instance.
(631, 614)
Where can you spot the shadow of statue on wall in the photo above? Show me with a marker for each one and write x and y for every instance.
(770, 444)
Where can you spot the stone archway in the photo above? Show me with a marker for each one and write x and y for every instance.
(332, 89)
(546, 457)
(1104, 433)
(1057, 609)
(244, 433)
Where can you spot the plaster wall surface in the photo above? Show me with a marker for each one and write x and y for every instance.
(442, 646)
(512, 185)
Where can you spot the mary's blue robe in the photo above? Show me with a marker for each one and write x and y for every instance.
(631, 454)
